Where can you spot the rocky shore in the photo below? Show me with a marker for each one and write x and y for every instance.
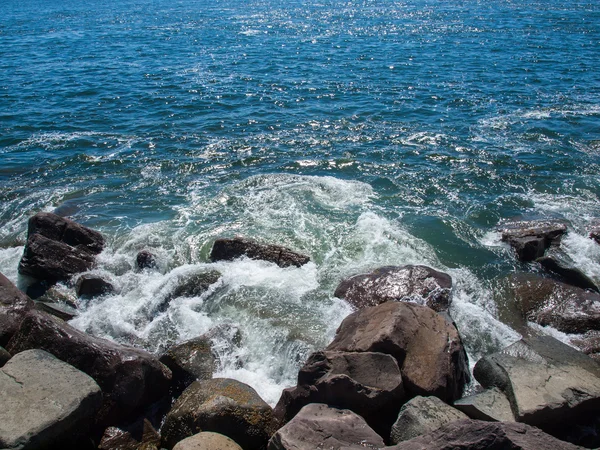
(393, 377)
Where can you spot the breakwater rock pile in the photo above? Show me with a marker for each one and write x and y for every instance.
(395, 375)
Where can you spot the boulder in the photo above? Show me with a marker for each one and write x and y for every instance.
(190, 286)
(207, 440)
(89, 285)
(321, 426)
(491, 405)
(567, 274)
(4, 356)
(221, 405)
(369, 384)
(45, 402)
(471, 434)
(426, 346)
(14, 305)
(190, 361)
(130, 379)
(140, 435)
(229, 249)
(419, 284)
(146, 260)
(548, 302)
(548, 383)
(530, 238)
(588, 343)
(421, 415)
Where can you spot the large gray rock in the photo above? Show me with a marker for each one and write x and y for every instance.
(320, 426)
(530, 238)
(491, 405)
(44, 402)
(369, 384)
(207, 440)
(427, 347)
(130, 379)
(477, 435)
(190, 361)
(422, 415)
(229, 249)
(14, 305)
(221, 405)
(419, 284)
(548, 383)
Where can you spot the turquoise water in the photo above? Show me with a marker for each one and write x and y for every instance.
(363, 133)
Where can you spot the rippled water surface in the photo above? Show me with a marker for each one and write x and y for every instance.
(363, 133)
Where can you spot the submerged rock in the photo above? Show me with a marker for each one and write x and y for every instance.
(229, 249)
(419, 284)
(92, 286)
(207, 440)
(14, 305)
(45, 402)
(320, 426)
(426, 346)
(146, 260)
(530, 239)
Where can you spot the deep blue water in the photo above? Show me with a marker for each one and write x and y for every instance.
(361, 132)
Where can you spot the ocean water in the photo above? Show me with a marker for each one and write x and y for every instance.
(363, 133)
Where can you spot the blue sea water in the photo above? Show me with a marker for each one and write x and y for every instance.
(363, 133)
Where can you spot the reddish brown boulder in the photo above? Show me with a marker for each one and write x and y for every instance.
(229, 249)
(427, 347)
(14, 305)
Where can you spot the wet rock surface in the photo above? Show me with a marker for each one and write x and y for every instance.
(426, 346)
(140, 435)
(567, 273)
(93, 286)
(530, 238)
(14, 305)
(146, 260)
(419, 284)
(321, 426)
(229, 249)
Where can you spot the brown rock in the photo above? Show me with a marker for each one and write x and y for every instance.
(14, 305)
(229, 249)
(140, 435)
(530, 239)
(65, 230)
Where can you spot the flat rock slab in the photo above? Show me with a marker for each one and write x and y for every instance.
(14, 305)
(207, 440)
(229, 249)
(422, 415)
(320, 426)
(44, 401)
(478, 435)
(548, 383)
(419, 284)
(530, 238)
(491, 405)
(426, 346)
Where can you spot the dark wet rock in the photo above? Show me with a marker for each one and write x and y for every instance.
(471, 434)
(140, 435)
(14, 305)
(548, 302)
(190, 286)
(130, 379)
(490, 405)
(321, 426)
(370, 384)
(61, 311)
(89, 285)
(588, 343)
(4, 356)
(207, 440)
(422, 415)
(595, 231)
(426, 346)
(45, 402)
(146, 260)
(229, 249)
(221, 405)
(549, 384)
(37, 289)
(419, 284)
(530, 239)
(569, 275)
(65, 230)
(190, 361)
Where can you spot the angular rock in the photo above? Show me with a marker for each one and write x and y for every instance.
(369, 384)
(569, 275)
(140, 435)
(321, 426)
(427, 347)
(190, 361)
(229, 249)
(61, 311)
(548, 302)
(146, 260)
(548, 383)
(470, 434)
(221, 405)
(14, 305)
(4, 356)
(422, 415)
(530, 239)
(190, 286)
(419, 284)
(130, 379)
(45, 402)
(92, 286)
(491, 405)
(207, 440)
